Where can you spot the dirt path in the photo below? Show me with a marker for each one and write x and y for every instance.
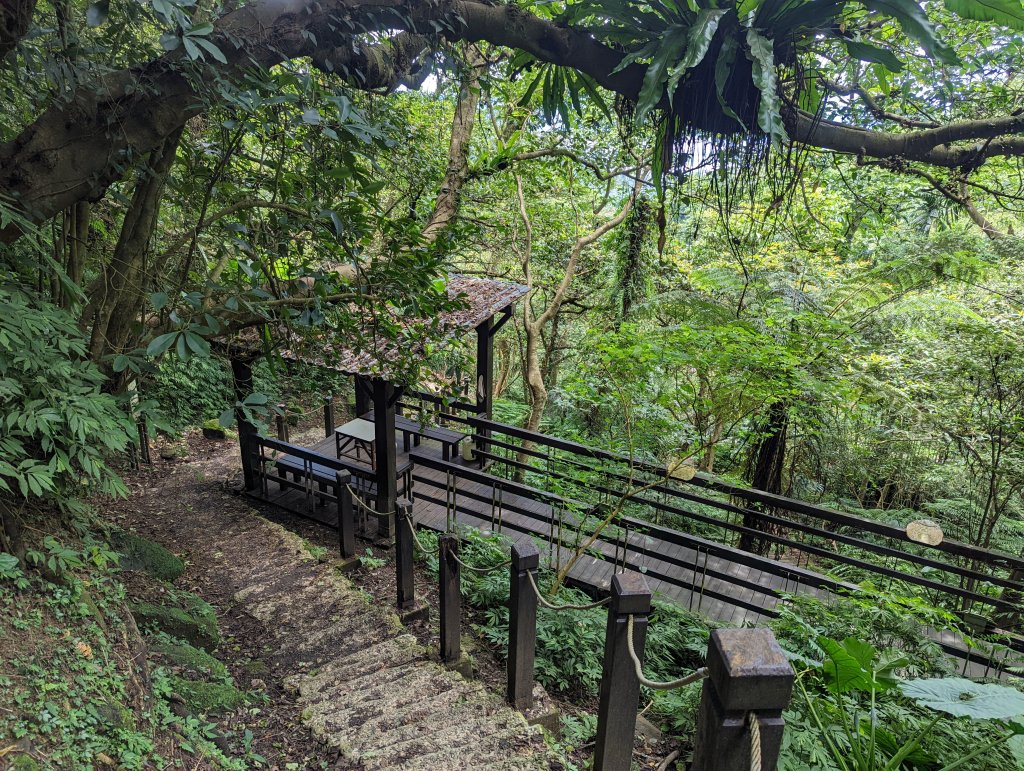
(348, 686)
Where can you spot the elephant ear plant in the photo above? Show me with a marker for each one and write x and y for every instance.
(851, 720)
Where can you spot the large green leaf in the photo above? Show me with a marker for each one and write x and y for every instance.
(652, 89)
(761, 51)
(869, 53)
(698, 41)
(965, 698)
(847, 666)
(855, 665)
(724, 66)
(914, 23)
(1009, 13)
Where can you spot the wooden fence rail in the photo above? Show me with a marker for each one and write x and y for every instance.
(748, 678)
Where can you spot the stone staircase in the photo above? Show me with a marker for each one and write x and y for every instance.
(365, 685)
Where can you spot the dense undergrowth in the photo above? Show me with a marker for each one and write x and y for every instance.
(82, 688)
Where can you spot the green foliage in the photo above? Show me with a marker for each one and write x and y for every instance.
(186, 617)
(207, 698)
(58, 427)
(864, 727)
(69, 685)
(190, 392)
(194, 663)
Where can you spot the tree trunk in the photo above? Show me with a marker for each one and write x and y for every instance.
(766, 464)
(533, 326)
(118, 295)
(455, 176)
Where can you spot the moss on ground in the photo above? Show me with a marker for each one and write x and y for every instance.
(197, 625)
(24, 763)
(141, 554)
(195, 663)
(207, 698)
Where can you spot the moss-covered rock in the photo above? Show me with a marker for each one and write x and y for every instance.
(145, 556)
(207, 698)
(195, 663)
(24, 763)
(195, 623)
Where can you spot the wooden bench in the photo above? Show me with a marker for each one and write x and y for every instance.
(302, 469)
(447, 438)
(324, 476)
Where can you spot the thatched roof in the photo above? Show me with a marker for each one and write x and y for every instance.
(481, 298)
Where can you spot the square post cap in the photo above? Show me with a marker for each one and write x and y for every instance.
(630, 594)
(524, 554)
(749, 670)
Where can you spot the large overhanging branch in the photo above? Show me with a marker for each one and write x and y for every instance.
(991, 136)
(74, 151)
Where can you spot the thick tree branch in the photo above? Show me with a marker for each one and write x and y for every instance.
(74, 151)
(932, 146)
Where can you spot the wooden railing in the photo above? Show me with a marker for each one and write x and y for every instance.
(747, 680)
(969, 574)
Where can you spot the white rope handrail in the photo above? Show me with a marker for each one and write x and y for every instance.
(476, 569)
(359, 502)
(698, 674)
(415, 538)
(755, 741)
(553, 606)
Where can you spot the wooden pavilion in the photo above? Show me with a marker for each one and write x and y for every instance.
(484, 306)
(525, 483)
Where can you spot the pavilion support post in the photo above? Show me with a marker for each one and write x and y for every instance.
(364, 394)
(328, 415)
(484, 380)
(241, 375)
(620, 687)
(749, 679)
(384, 398)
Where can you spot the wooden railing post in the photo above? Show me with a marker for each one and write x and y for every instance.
(404, 557)
(346, 519)
(620, 688)
(282, 423)
(522, 625)
(328, 415)
(749, 678)
(450, 593)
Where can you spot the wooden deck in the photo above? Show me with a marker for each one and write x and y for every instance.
(722, 590)
(712, 585)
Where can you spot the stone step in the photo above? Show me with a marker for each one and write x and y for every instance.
(364, 684)
(469, 738)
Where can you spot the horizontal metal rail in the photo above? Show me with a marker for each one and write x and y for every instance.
(788, 572)
(669, 578)
(978, 554)
(827, 535)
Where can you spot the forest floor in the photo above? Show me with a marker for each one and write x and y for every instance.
(191, 491)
